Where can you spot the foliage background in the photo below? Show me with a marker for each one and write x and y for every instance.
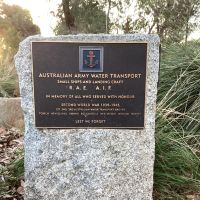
(15, 25)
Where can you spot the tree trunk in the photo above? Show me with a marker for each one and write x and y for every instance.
(187, 23)
(107, 15)
(151, 27)
(69, 19)
(186, 31)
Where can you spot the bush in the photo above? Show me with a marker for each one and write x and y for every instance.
(177, 164)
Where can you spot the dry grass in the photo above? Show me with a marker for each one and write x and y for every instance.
(8, 78)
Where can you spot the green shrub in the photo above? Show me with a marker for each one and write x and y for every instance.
(177, 164)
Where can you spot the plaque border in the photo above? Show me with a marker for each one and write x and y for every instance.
(90, 42)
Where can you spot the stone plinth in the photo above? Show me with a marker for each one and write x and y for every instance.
(91, 164)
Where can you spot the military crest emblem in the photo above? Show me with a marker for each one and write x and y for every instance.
(90, 59)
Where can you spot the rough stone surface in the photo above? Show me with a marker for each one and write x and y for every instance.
(88, 163)
(11, 113)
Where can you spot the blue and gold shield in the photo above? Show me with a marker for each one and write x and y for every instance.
(90, 59)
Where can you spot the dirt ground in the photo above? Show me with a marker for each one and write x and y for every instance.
(11, 148)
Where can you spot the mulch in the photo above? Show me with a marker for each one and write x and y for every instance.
(11, 143)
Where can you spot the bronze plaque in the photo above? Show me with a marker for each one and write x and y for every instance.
(89, 85)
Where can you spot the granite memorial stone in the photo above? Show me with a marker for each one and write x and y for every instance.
(89, 104)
